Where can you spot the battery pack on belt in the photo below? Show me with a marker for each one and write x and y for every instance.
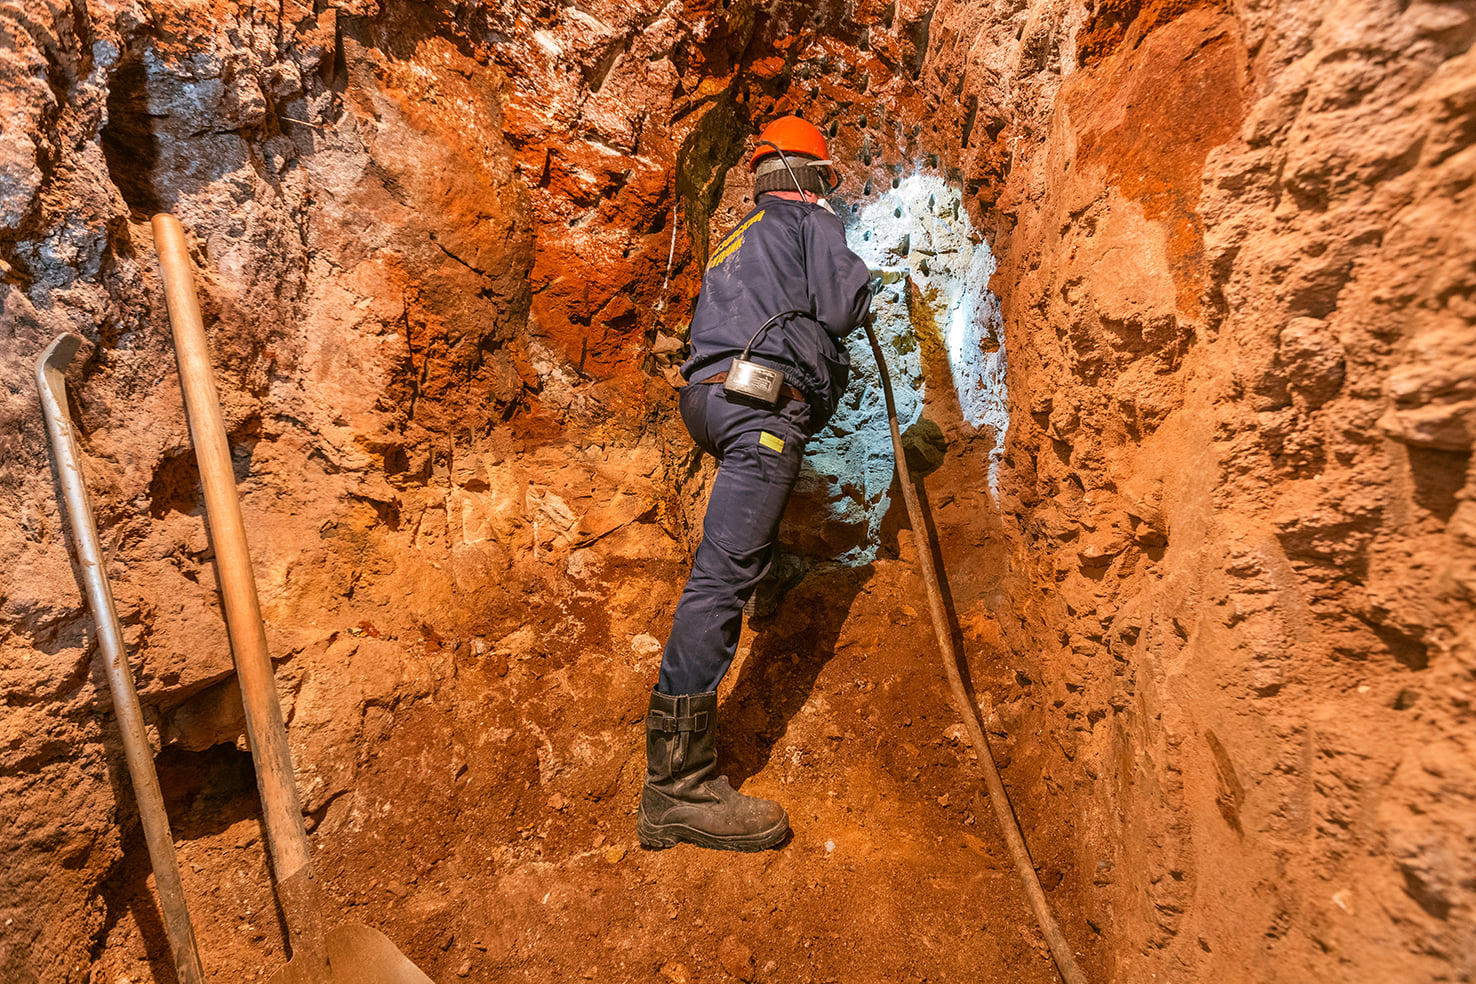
(760, 384)
(751, 381)
(786, 391)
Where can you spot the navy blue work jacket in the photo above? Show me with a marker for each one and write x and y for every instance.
(784, 255)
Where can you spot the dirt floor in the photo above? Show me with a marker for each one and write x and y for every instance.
(490, 832)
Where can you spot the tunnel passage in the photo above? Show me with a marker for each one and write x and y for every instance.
(932, 306)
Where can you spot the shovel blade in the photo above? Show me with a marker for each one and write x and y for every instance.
(356, 955)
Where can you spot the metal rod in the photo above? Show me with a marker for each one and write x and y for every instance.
(136, 750)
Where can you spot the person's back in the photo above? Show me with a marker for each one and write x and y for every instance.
(785, 255)
(780, 294)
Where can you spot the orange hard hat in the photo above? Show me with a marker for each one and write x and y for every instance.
(794, 136)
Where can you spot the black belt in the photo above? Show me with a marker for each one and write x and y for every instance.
(787, 391)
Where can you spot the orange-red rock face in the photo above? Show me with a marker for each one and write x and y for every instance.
(1249, 587)
(444, 252)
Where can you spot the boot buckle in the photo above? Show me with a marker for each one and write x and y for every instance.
(672, 724)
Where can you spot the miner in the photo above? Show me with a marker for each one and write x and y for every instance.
(768, 365)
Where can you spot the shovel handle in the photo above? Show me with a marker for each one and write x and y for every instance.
(1009, 825)
(281, 807)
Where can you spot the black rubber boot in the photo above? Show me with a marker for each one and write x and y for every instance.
(683, 800)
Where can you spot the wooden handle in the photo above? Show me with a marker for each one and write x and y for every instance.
(281, 807)
(1009, 826)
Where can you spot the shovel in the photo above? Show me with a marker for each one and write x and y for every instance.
(53, 386)
(349, 953)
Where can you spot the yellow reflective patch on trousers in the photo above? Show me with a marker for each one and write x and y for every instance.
(771, 441)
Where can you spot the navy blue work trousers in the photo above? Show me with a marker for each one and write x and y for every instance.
(758, 452)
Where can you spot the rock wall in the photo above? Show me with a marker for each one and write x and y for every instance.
(381, 300)
(1236, 300)
(445, 252)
